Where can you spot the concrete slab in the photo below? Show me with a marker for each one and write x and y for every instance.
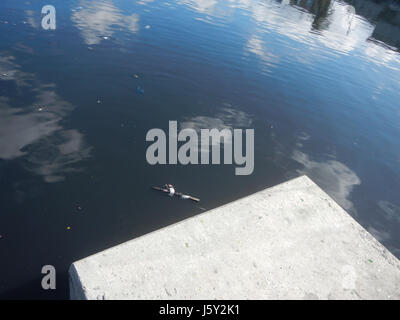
(291, 241)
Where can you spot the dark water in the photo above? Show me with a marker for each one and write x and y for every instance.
(319, 82)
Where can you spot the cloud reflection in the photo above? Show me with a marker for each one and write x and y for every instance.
(228, 118)
(257, 46)
(34, 132)
(56, 154)
(332, 176)
(332, 24)
(32, 18)
(96, 19)
(202, 6)
(10, 71)
(380, 235)
(19, 129)
(392, 212)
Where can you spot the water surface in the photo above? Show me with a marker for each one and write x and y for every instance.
(318, 81)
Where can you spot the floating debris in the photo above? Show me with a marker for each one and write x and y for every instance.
(106, 38)
(140, 90)
(39, 107)
(79, 208)
(147, 27)
(98, 101)
(170, 190)
(136, 76)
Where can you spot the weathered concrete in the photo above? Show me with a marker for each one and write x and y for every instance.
(291, 241)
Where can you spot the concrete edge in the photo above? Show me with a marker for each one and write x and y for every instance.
(204, 213)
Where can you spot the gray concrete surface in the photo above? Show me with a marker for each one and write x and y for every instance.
(291, 241)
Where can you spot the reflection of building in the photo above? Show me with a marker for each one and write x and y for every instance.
(320, 8)
(384, 15)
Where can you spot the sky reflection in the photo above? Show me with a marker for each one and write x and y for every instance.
(333, 24)
(34, 132)
(97, 20)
